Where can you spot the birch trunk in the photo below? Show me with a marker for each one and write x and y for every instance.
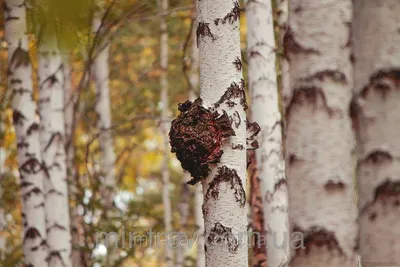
(32, 173)
(221, 85)
(52, 137)
(283, 13)
(376, 117)
(319, 137)
(165, 130)
(103, 109)
(198, 192)
(265, 111)
(70, 151)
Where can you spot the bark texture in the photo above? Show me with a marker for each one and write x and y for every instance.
(319, 138)
(376, 118)
(265, 111)
(52, 137)
(165, 129)
(222, 87)
(31, 169)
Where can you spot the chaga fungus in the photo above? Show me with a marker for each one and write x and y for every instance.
(196, 137)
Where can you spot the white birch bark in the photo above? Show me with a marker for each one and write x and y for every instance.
(319, 137)
(26, 125)
(165, 130)
(376, 118)
(198, 192)
(221, 74)
(52, 137)
(70, 151)
(265, 111)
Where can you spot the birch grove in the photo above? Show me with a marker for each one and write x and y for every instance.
(375, 113)
(319, 137)
(221, 84)
(52, 137)
(265, 111)
(32, 173)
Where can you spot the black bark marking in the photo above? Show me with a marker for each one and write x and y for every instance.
(203, 30)
(31, 166)
(237, 147)
(227, 175)
(238, 64)
(33, 128)
(234, 91)
(290, 45)
(317, 236)
(332, 186)
(382, 81)
(32, 233)
(236, 119)
(57, 136)
(376, 157)
(307, 96)
(18, 117)
(387, 190)
(293, 159)
(222, 234)
(55, 226)
(196, 136)
(234, 15)
(20, 57)
(335, 75)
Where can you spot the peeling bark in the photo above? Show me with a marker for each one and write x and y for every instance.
(319, 138)
(221, 83)
(265, 110)
(30, 163)
(52, 134)
(375, 114)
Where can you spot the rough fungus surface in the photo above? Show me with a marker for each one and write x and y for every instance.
(196, 137)
(318, 237)
(227, 175)
(222, 234)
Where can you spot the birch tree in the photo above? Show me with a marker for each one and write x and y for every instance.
(265, 110)
(282, 19)
(375, 113)
(100, 70)
(70, 155)
(52, 137)
(319, 137)
(164, 130)
(32, 173)
(222, 87)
